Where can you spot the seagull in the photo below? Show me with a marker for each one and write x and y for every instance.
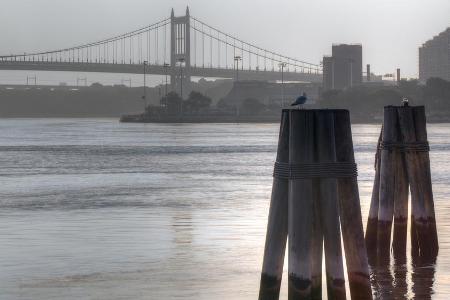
(405, 101)
(300, 100)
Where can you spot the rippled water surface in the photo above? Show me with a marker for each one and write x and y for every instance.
(94, 209)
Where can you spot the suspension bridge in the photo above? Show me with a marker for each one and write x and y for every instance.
(179, 47)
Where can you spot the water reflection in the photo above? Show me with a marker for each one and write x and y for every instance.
(422, 280)
(183, 227)
(402, 281)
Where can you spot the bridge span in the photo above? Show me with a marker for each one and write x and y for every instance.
(245, 74)
(180, 47)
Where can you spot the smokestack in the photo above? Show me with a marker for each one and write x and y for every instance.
(368, 72)
(398, 75)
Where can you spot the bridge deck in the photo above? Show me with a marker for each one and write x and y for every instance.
(267, 75)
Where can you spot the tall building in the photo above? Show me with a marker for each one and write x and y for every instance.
(328, 76)
(343, 68)
(434, 57)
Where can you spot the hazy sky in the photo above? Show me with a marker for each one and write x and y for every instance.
(390, 30)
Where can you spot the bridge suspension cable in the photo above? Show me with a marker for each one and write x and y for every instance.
(207, 48)
(251, 50)
(104, 51)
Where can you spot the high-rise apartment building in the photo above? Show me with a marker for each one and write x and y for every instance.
(434, 57)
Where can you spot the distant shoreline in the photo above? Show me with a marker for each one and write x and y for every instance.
(215, 121)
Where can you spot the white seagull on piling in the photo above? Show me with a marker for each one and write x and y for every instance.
(405, 101)
(300, 100)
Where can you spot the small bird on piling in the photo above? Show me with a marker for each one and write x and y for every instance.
(405, 101)
(300, 100)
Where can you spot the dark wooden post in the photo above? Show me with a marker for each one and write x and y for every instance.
(405, 163)
(424, 240)
(372, 222)
(430, 253)
(277, 226)
(322, 198)
(328, 202)
(316, 246)
(387, 187)
(401, 192)
(300, 206)
(350, 213)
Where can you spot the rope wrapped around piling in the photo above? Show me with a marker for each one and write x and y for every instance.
(315, 170)
(405, 147)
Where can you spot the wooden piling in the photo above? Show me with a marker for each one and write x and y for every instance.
(372, 222)
(328, 202)
(387, 187)
(401, 192)
(322, 198)
(300, 206)
(277, 226)
(316, 245)
(405, 164)
(350, 213)
(423, 223)
(430, 253)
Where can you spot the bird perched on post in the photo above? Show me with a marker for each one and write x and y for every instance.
(300, 100)
(405, 101)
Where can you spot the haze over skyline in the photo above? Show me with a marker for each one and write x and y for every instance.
(389, 31)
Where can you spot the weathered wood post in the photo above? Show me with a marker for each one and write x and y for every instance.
(404, 164)
(387, 186)
(316, 245)
(350, 212)
(300, 205)
(328, 203)
(401, 191)
(372, 222)
(277, 226)
(322, 201)
(423, 222)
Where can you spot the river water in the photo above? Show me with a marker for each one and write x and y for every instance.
(95, 209)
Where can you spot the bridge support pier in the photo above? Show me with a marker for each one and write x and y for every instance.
(180, 54)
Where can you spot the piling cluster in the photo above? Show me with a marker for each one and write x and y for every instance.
(315, 198)
(402, 164)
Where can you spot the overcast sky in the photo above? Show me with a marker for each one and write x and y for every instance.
(390, 30)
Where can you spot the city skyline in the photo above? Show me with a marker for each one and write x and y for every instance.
(388, 43)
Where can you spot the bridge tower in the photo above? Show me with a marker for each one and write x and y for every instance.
(180, 53)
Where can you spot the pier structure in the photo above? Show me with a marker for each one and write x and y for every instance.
(315, 202)
(402, 164)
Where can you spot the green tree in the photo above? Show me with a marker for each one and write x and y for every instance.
(437, 91)
(196, 102)
(172, 102)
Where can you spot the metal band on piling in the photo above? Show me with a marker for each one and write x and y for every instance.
(405, 147)
(315, 170)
